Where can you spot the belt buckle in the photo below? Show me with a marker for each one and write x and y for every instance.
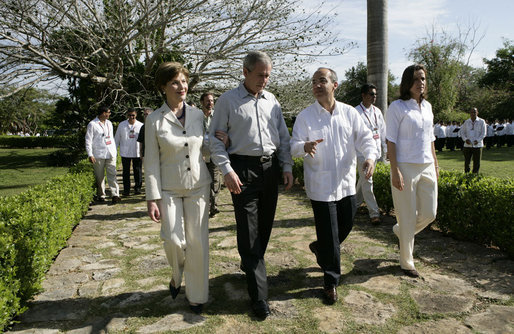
(264, 158)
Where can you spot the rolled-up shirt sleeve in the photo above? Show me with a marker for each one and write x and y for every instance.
(219, 121)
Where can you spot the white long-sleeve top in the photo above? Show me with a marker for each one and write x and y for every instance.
(330, 174)
(473, 130)
(100, 141)
(409, 127)
(374, 120)
(126, 139)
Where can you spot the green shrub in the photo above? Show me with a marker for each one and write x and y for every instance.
(470, 207)
(34, 227)
(31, 142)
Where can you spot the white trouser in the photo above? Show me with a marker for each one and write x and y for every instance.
(102, 167)
(365, 191)
(185, 232)
(415, 206)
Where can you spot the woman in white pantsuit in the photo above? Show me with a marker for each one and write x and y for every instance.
(178, 184)
(414, 166)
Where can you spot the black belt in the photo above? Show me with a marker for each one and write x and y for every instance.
(252, 158)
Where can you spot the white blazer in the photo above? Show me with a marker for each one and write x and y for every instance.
(173, 153)
(96, 143)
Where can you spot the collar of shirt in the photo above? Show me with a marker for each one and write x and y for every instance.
(243, 92)
(321, 110)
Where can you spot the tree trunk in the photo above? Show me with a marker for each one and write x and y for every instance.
(377, 54)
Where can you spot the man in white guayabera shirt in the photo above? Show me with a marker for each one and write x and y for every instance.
(473, 132)
(328, 134)
(374, 120)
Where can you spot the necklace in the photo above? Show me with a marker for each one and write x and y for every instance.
(183, 112)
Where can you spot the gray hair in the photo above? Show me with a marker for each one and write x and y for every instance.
(333, 74)
(254, 57)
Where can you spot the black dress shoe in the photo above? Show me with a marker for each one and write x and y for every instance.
(197, 309)
(330, 294)
(313, 246)
(261, 309)
(137, 192)
(116, 199)
(411, 273)
(213, 212)
(174, 291)
(100, 199)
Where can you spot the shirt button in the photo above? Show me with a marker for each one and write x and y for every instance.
(188, 168)
(185, 144)
(187, 156)
(184, 132)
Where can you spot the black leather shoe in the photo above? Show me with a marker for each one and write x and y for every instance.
(116, 199)
(313, 246)
(213, 212)
(411, 273)
(261, 309)
(197, 309)
(137, 192)
(174, 291)
(330, 294)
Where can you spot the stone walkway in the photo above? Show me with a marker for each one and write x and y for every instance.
(113, 276)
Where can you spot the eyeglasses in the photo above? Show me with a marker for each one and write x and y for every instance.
(372, 94)
(131, 115)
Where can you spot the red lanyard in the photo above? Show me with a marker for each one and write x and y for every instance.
(372, 110)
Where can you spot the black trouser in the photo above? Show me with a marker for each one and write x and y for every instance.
(334, 221)
(215, 185)
(254, 209)
(138, 174)
(476, 153)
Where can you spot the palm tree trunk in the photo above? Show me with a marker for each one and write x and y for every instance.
(377, 54)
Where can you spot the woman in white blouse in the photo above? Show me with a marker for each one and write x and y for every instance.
(414, 166)
(178, 184)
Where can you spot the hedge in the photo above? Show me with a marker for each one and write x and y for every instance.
(470, 207)
(31, 142)
(34, 227)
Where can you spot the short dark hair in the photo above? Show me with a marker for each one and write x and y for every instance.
(408, 81)
(206, 94)
(367, 87)
(131, 109)
(101, 109)
(167, 71)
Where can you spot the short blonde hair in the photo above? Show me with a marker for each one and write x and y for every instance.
(167, 71)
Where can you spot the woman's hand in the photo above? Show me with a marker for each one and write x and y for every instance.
(153, 211)
(397, 178)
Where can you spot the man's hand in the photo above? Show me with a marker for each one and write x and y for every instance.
(475, 142)
(232, 182)
(368, 167)
(397, 178)
(310, 147)
(223, 136)
(288, 180)
(92, 159)
(153, 211)
(468, 141)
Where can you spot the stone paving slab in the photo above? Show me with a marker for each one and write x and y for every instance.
(113, 277)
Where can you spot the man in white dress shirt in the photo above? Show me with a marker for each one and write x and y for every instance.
(374, 120)
(126, 140)
(101, 151)
(327, 135)
(473, 132)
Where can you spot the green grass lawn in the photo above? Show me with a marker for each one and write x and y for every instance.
(497, 162)
(23, 168)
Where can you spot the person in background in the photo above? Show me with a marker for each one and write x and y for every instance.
(207, 102)
(414, 166)
(473, 133)
(259, 148)
(141, 138)
(101, 152)
(372, 117)
(126, 140)
(329, 135)
(177, 184)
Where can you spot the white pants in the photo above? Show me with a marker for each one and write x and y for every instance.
(415, 206)
(102, 167)
(185, 232)
(364, 190)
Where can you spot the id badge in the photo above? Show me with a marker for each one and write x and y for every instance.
(375, 135)
(131, 134)
(108, 140)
